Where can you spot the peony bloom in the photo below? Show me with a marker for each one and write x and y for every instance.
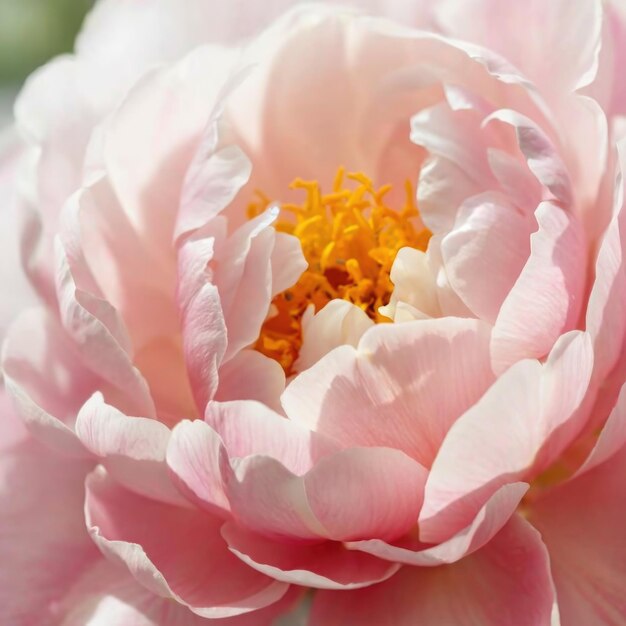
(331, 320)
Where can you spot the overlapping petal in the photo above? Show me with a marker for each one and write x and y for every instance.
(182, 557)
(506, 583)
(387, 391)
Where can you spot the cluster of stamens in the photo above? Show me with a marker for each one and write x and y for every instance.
(350, 239)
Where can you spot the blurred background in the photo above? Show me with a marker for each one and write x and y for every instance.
(31, 32)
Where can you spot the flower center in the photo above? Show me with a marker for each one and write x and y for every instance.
(350, 238)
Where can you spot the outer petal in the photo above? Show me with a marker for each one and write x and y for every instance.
(56, 112)
(12, 429)
(106, 594)
(507, 583)
(175, 552)
(396, 389)
(571, 34)
(172, 28)
(582, 524)
(147, 170)
(43, 541)
(532, 405)
(17, 293)
(36, 346)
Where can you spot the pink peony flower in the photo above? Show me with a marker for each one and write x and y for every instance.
(331, 318)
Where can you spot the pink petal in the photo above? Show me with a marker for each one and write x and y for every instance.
(106, 594)
(490, 519)
(615, 17)
(215, 177)
(162, 363)
(198, 453)
(56, 110)
(572, 34)
(225, 288)
(43, 541)
(243, 276)
(12, 429)
(137, 280)
(507, 583)
(485, 252)
(17, 293)
(582, 524)
(361, 121)
(172, 30)
(250, 375)
(132, 449)
(587, 154)
(395, 389)
(250, 428)
(516, 180)
(458, 142)
(456, 136)
(604, 320)
(531, 404)
(326, 565)
(542, 156)
(366, 492)
(174, 552)
(269, 499)
(443, 186)
(99, 334)
(35, 346)
(202, 317)
(195, 456)
(147, 170)
(546, 298)
(612, 436)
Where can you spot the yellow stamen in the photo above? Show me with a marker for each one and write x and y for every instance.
(350, 239)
